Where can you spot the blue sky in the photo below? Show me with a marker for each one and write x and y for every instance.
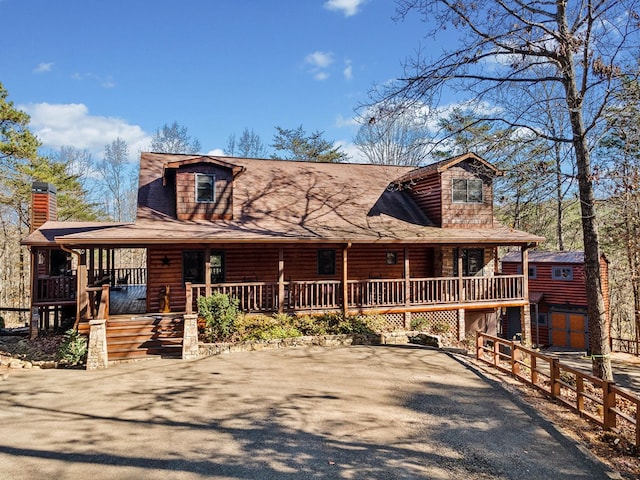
(90, 71)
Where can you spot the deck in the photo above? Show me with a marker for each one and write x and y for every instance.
(128, 299)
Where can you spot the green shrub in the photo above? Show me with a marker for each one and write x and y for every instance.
(220, 313)
(261, 327)
(73, 349)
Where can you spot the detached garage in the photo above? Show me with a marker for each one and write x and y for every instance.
(558, 298)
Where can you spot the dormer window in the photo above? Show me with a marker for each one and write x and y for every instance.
(467, 190)
(205, 188)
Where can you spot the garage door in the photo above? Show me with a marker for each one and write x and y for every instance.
(569, 330)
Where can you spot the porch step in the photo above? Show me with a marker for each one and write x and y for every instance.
(140, 337)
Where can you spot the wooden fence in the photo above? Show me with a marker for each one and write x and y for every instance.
(603, 402)
(625, 345)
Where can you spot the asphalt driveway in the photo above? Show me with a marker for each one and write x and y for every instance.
(365, 412)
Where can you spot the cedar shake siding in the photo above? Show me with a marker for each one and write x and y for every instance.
(188, 208)
(466, 214)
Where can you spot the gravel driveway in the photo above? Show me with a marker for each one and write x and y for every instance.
(365, 412)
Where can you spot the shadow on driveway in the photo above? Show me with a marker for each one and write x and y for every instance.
(365, 412)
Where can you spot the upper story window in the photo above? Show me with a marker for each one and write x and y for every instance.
(467, 190)
(562, 273)
(205, 188)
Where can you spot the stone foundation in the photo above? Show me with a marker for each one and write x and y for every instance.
(391, 338)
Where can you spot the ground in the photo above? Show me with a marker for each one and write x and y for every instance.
(611, 449)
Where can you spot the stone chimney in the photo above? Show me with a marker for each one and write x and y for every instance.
(44, 205)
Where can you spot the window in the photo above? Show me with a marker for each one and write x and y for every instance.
(533, 271)
(205, 188)
(467, 190)
(542, 319)
(193, 266)
(472, 261)
(562, 273)
(392, 258)
(216, 262)
(326, 262)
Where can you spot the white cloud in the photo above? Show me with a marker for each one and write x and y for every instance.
(347, 7)
(105, 82)
(348, 70)
(319, 59)
(317, 64)
(43, 67)
(217, 152)
(355, 154)
(58, 125)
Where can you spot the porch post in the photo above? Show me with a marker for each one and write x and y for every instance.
(280, 280)
(461, 294)
(407, 290)
(345, 280)
(525, 316)
(33, 329)
(82, 303)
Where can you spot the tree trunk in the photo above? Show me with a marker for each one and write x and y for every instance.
(596, 313)
(597, 316)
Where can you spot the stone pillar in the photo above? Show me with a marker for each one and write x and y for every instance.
(34, 325)
(190, 337)
(526, 324)
(462, 333)
(97, 352)
(407, 320)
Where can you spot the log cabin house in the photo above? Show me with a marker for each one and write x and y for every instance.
(557, 296)
(298, 237)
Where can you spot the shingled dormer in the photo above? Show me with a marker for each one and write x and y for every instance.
(455, 193)
(203, 187)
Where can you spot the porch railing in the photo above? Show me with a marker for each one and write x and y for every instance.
(55, 289)
(327, 295)
(120, 276)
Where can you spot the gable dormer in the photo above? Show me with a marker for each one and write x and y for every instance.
(203, 187)
(454, 193)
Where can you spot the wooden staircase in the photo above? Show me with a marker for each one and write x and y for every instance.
(143, 336)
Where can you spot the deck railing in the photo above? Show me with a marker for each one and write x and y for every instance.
(625, 345)
(327, 295)
(602, 402)
(56, 289)
(121, 276)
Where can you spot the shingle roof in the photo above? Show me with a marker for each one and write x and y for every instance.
(286, 201)
(547, 257)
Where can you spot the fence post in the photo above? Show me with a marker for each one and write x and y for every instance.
(496, 354)
(554, 376)
(479, 342)
(609, 418)
(515, 360)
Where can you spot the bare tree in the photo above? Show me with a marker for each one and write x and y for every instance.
(113, 170)
(583, 46)
(400, 139)
(249, 145)
(174, 138)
